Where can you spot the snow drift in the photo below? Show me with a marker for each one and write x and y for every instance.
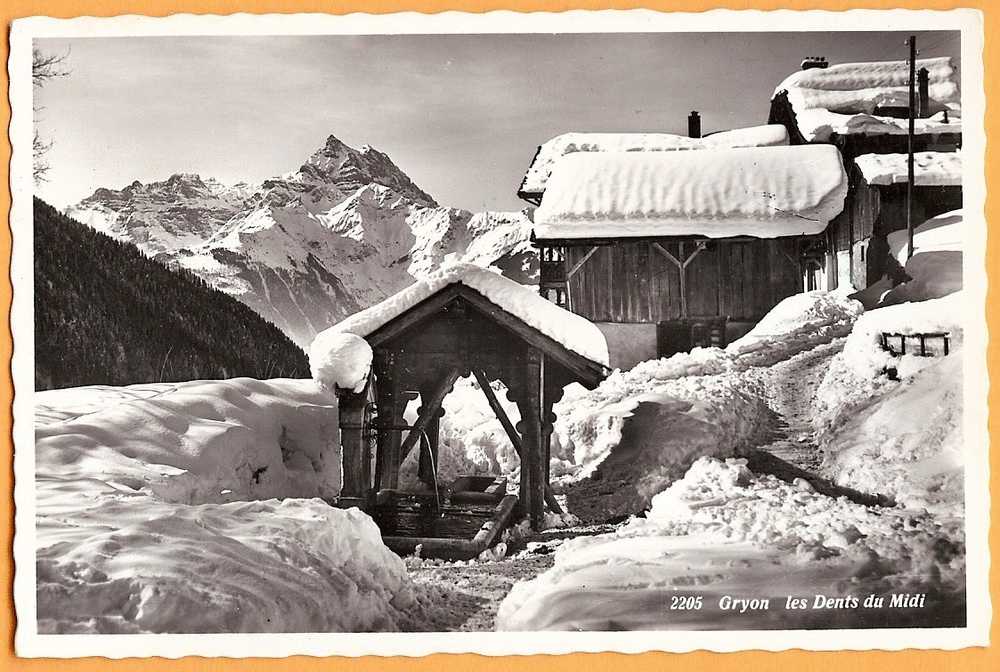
(723, 530)
(901, 438)
(766, 192)
(640, 430)
(935, 269)
(159, 510)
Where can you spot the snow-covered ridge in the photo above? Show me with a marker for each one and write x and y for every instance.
(164, 216)
(765, 191)
(842, 98)
(550, 152)
(929, 168)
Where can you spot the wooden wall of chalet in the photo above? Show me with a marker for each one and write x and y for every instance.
(872, 212)
(633, 282)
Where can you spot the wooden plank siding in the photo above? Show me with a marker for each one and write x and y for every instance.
(632, 282)
(871, 213)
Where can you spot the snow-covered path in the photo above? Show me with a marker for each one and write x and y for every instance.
(790, 387)
(465, 596)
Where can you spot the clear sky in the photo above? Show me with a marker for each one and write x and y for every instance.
(461, 115)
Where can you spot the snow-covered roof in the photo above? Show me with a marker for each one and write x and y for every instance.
(929, 168)
(841, 98)
(574, 332)
(567, 143)
(765, 192)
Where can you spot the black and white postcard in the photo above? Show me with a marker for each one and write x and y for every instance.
(595, 331)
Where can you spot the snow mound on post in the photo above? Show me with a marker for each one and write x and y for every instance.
(340, 360)
(158, 510)
(572, 331)
(842, 98)
(767, 192)
(549, 153)
(929, 168)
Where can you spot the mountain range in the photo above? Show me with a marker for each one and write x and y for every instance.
(305, 249)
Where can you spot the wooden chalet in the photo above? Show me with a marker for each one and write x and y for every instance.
(683, 248)
(452, 327)
(874, 124)
(857, 239)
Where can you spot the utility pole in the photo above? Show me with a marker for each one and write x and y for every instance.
(909, 147)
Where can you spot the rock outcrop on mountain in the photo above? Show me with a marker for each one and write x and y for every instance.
(307, 248)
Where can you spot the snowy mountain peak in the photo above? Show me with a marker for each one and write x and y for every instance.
(307, 248)
(348, 169)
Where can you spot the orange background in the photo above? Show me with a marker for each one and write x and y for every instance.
(910, 661)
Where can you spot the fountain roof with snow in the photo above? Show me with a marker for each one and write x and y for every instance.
(576, 334)
(462, 320)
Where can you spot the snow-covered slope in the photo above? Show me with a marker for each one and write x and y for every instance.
(306, 249)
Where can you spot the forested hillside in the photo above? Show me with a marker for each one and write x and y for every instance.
(107, 314)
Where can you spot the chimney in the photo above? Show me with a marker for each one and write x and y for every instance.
(810, 62)
(694, 125)
(923, 93)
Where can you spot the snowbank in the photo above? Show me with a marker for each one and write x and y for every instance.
(724, 531)
(929, 168)
(797, 323)
(195, 442)
(158, 511)
(935, 269)
(339, 360)
(576, 333)
(943, 233)
(641, 429)
(550, 152)
(766, 192)
(897, 438)
(905, 442)
(859, 369)
(842, 98)
(636, 447)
